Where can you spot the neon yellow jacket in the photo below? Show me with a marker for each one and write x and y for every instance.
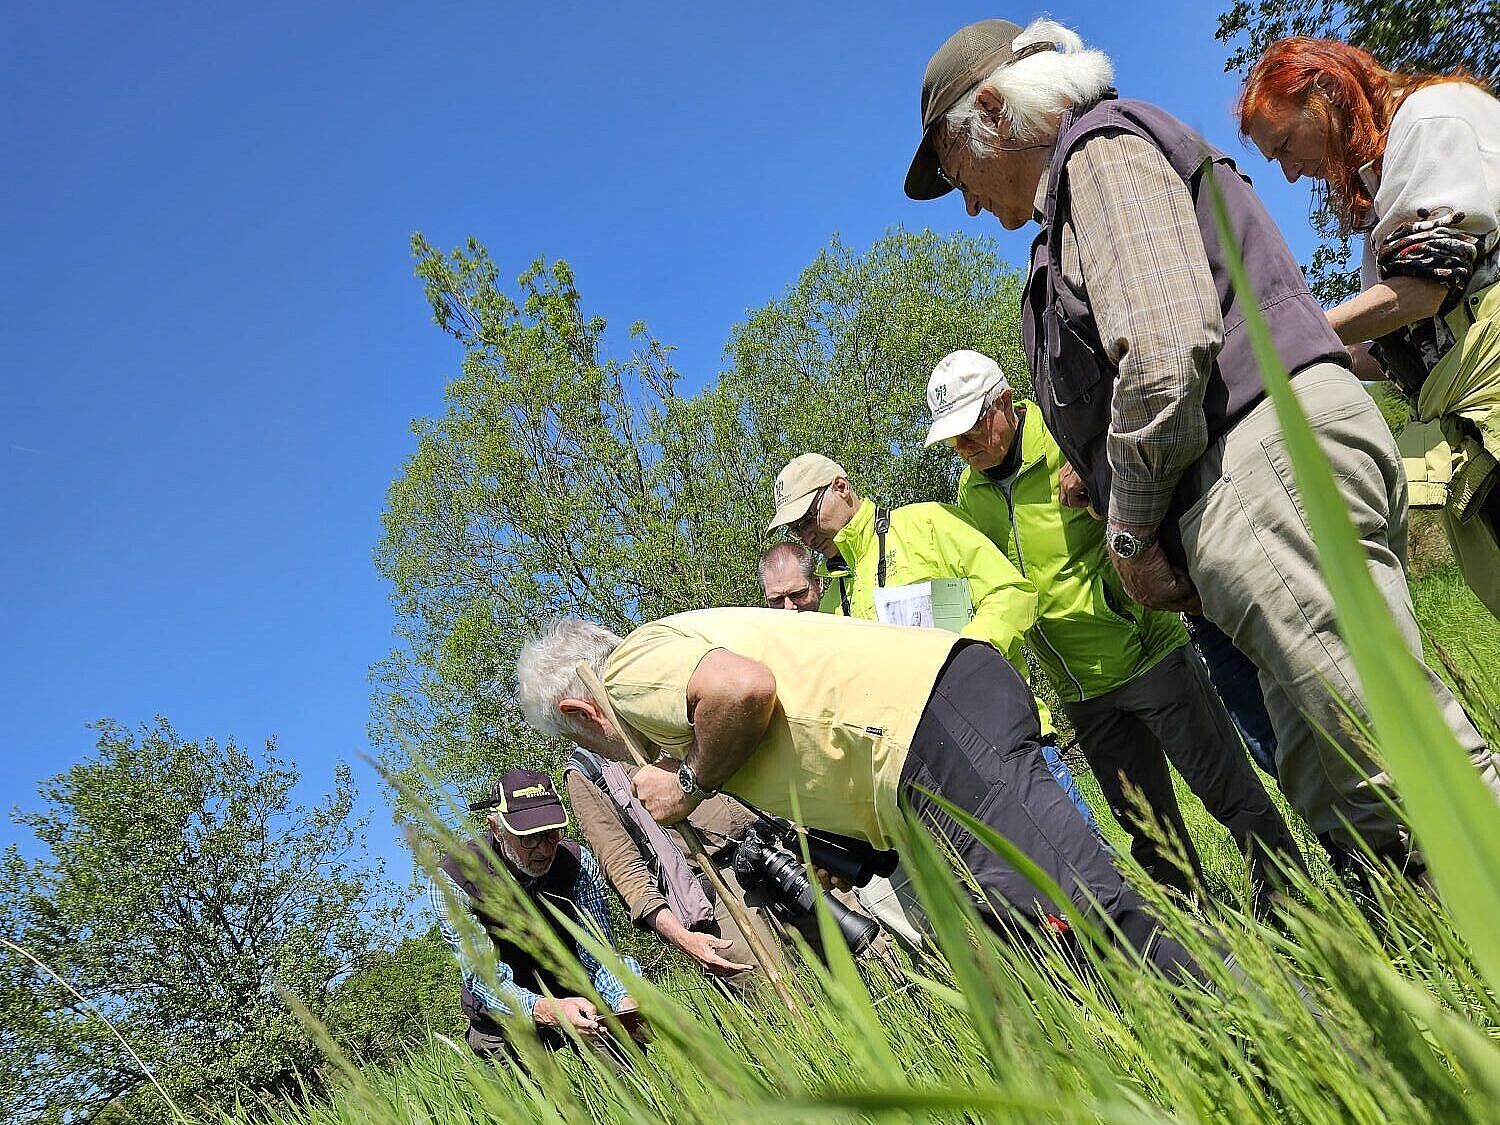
(936, 541)
(1089, 636)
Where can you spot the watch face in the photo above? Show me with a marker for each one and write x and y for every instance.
(1122, 543)
(685, 779)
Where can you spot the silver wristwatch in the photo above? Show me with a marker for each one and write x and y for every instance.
(687, 780)
(1126, 545)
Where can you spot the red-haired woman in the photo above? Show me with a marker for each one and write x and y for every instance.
(1412, 161)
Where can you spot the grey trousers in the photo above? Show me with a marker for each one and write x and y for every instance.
(1171, 713)
(1251, 554)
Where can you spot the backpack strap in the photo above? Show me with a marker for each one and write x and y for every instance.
(587, 764)
(882, 525)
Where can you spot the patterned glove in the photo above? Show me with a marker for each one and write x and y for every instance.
(1432, 247)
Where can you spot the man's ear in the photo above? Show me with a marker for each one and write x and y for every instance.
(585, 709)
(990, 103)
(1007, 399)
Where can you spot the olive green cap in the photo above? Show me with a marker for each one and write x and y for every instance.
(970, 55)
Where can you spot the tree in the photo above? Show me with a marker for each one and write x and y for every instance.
(1402, 34)
(183, 894)
(564, 480)
(396, 998)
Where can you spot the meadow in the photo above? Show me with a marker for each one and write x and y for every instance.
(1337, 1006)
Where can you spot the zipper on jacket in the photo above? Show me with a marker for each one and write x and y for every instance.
(1015, 535)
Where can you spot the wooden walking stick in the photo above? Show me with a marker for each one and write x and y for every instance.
(695, 846)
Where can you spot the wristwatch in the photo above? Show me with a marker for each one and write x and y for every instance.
(688, 781)
(1126, 545)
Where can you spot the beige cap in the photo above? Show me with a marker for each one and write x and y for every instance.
(796, 484)
(955, 393)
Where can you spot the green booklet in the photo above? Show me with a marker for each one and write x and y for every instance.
(938, 603)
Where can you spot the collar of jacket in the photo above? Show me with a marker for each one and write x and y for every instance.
(826, 569)
(853, 536)
(1033, 444)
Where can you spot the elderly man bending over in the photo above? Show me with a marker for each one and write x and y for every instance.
(1144, 374)
(853, 716)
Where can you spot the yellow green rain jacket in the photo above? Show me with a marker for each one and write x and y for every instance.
(1451, 451)
(1089, 636)
(935, 541)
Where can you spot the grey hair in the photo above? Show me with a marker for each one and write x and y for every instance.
(546, 670)
(806, 562)
(1034, 88)
(992, 395)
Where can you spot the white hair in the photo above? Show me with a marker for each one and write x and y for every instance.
(547, 673)
(1035, 88)
(992, 395)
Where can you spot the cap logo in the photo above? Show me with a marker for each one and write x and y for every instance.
(940, 396)
(531, 791)
(780, 490)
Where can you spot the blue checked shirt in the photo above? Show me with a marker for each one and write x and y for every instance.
(588, 893)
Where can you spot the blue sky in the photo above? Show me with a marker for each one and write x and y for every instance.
(212, 342)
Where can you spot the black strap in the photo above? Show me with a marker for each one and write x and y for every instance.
(586, 763)
(844, 595)
(882, 525)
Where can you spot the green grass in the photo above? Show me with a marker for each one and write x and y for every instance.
(1404, 1030)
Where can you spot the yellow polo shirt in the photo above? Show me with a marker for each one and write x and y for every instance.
(849, 696)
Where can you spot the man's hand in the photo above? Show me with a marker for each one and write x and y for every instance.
(1154, 582)
(701, 947)
(705, 949)
(575, 1010)
(831, 882)
(658, 792)
(1071, 491)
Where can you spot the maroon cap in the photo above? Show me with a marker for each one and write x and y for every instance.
(526, 802)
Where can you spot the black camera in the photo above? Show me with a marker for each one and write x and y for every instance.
(764, 861)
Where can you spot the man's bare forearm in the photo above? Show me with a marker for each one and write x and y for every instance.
(730, 700)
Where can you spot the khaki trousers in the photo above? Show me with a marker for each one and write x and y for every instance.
(1251, 554)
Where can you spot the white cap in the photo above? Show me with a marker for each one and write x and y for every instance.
(955, 393)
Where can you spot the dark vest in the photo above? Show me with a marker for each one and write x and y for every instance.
(557, 888)
(1074, 379)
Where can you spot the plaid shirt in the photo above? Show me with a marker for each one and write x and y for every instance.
(1133, 249)
(588, 893)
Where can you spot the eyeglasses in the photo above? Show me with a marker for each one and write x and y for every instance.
(992, 147)
(789, 597)
(972, 433)
(538, 840)
(959, 134)
(798, 526)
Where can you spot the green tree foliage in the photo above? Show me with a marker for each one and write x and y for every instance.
(182, 892)
(396, 998)
(1403, 34)
(566, 479)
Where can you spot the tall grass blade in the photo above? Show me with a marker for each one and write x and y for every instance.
(1455, 818)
